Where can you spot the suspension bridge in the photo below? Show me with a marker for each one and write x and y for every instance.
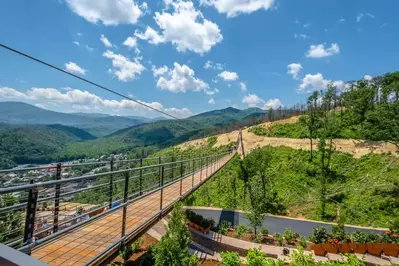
(84, 220)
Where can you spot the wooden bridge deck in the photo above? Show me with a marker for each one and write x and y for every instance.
(80, 245)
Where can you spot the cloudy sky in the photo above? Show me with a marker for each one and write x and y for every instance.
(187, 57)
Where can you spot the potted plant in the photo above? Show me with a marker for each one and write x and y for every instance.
(339, 232)
(319, 237)
(331, 246)
(389, 243)
(374, 246)
(198, 222)
(358, 239)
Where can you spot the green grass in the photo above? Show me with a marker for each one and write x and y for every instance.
(364, 191)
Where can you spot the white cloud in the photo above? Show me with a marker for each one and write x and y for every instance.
(186, 28)
(243, 86)
(213, 65)
(312, 83)
(370, 15)
(340, 85)
(181, 79)
(301, 35)
(307, 25)
(105, 41)
(384, 25)
(233, 8)
(74, 68)
(89, 48)
(109, 12)
(211, 101)
(228, 76)
(318, 51)
(124, 68)
(211, 91)
(367, 77)
(10, 93)
(150, 35)
(130, 42)
(86, 101)
(77, 43)
(252, 100)
(359, 17)
(159, 71)
(342, 20)
(79, 34)
(272, 103)
(294, 69)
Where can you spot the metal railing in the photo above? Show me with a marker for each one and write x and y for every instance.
(29, 221)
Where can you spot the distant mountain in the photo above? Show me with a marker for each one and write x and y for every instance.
(36, 143)
(96, 124)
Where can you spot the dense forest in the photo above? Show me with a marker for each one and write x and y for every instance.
(321, 184)
(49, 143)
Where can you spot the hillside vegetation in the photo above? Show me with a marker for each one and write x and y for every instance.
(322, 183)
(360, 191)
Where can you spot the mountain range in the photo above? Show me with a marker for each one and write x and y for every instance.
(29, 134)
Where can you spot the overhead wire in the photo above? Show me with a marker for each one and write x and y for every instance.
(85, 80)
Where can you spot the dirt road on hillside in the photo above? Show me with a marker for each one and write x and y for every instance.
(357, 148)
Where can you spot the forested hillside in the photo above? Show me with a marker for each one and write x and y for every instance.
(35, 143)
(322, 183)
(96, 124)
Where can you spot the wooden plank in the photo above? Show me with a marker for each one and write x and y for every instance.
(80, 245)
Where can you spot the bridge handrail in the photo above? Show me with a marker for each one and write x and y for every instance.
(79, 178)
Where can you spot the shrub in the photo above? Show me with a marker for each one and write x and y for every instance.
(126, 252)
(264, 231)
(299, 258)
(303, 242)
(212, 141)
(224, 227)
(240, 230)
(319, 235)
(290, 236)
(359, 237)
(279, 239)
(230, 259)
(136, 246)
(339, 232)
(199, 219)
(258, 238)
(256, 257)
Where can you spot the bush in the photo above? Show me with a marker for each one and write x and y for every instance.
(303, 242)
(256, 257)
(279, 239)
(126, 252)
(136, 246)
(264, 231)
(230, 258)
(224, 227)
(199, 219)
(258, 237)
(359, 237)
(290, 236)
(319, 235)
(240, 230)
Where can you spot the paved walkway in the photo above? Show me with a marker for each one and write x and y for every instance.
(80, 245)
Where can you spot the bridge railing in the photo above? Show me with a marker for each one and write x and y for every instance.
(33, 213)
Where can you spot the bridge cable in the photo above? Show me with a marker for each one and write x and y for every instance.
(85, 80)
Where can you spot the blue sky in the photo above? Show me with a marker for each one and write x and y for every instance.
(186, 57)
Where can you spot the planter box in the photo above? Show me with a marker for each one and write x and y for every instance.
(345, 248)
(374, 248)
(390, 249)
(359, 248)
(318, 249)
(330, 248)
(199, 228)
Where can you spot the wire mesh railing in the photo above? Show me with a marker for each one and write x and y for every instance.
(33, 213)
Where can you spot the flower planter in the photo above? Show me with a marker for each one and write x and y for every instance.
(199, 228)
(318, 249)
(344, 248)
(374, 248)
(330, 248)
(359, 248)
(390, 249)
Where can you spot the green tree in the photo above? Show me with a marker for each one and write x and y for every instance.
(256, 257)
(173, 247)
(230, 258)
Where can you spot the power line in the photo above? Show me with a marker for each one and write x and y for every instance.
(83, 79)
